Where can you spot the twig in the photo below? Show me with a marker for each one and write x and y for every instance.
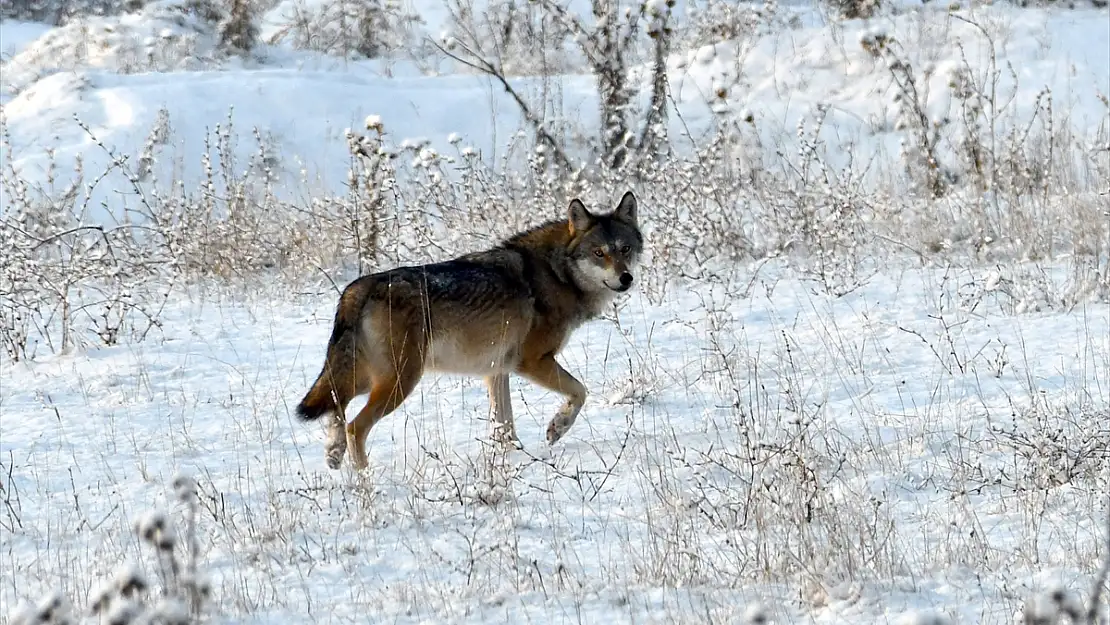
(488, 69)
(1100, 580)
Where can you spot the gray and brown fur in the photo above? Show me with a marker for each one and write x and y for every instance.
(507, 310)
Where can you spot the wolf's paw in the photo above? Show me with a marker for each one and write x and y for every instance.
(555, 432)
(563, 420)
(506, 439)
(560, 425)
(333, 456)
(335, 446)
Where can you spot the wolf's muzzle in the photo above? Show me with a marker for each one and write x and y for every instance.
(626, 282)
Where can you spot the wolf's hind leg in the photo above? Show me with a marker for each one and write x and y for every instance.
(390, 388)
(501, 411)
(356, 381)
(551, 375)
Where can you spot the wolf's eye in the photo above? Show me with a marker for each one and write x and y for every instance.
(626, 249)
(600, 253)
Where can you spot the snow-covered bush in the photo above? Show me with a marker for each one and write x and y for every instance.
(60, 12)
(345, 28)
(854, 9)
(1044, 447)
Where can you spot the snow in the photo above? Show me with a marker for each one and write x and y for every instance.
(442, 529)
(15, 35)
(779, 79)
(304, 118)
(894, 431)
(164, 36)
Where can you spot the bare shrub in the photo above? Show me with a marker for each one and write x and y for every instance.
(921, 155)
(359, 215)
(517, 37)
(65, 283)
(1043, 447)
(608, 45)
(718, 21)
(997, 176)
(347, 28)
(59, 12)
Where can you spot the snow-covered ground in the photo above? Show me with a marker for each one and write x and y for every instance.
(302, 104)
(933, 442)
(893, 419)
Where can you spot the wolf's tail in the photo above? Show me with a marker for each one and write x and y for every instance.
(319, 400)
(335, 385)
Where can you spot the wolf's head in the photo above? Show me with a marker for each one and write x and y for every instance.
(604, 249)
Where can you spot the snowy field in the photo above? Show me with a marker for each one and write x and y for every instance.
(884, 451)
(898, 413)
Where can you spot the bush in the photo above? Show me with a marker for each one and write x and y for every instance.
(854, 9)
(346, 28)
(59, 12)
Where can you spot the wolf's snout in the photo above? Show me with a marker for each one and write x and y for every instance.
(626, 282)
(622, 283)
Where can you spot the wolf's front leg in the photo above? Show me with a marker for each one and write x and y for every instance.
(501, 411)
(552, 376)
(336, 444)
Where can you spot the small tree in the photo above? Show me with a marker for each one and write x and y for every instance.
(238, 31)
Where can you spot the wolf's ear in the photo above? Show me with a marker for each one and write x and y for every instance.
(626, 210)
(579, 217)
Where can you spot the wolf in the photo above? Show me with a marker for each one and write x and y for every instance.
(506, 310)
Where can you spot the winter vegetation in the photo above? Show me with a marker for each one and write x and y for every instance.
(862, 377)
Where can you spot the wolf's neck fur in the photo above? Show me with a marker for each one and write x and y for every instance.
(551, 244)
(551, 234)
